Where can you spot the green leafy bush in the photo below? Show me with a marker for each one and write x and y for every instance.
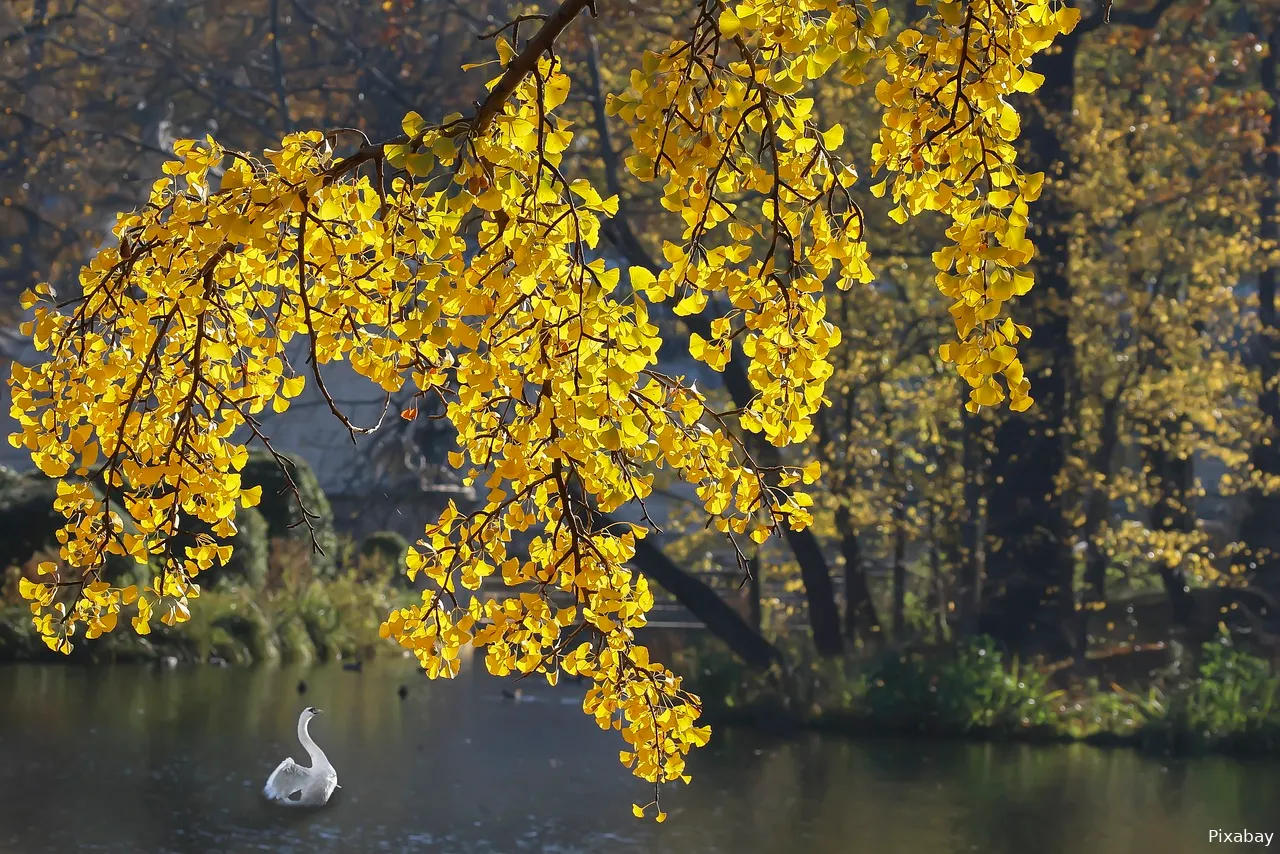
(383, 554)
(969, 687)
(1230, 701)
(283, 514)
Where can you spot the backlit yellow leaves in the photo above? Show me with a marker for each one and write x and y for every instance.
(460, 259)
(948, 137)
(762, 189)
(472, 282)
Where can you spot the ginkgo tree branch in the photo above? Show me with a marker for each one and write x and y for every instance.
(459, 258)
(819, 592)
(487, 110)
(525, 63)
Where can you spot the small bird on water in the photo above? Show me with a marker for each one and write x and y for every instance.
(291, 784)
(356, 666)
(302, 686)
(516, 695)
(403, 692)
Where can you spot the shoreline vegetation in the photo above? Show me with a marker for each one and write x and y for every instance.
(322, 620)
(278, 602)
(1218, 699)
(317, 620)
(1221, 700)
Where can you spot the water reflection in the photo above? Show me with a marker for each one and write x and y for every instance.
(129, 759)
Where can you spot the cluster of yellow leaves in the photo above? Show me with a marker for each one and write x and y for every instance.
(558, 401)
(760, 187)
(469, 276)
(457, 258)
(948, 136)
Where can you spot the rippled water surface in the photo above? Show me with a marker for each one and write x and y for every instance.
(132, 759)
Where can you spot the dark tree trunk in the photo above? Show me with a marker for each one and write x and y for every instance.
(1031, 606)
(1175, 484)
(1094, 594)
(1097, 516)
(705, 604)
(937, 587)
(753, 590)
(899, 535)
(973, 535)
(860, 617)
(899, 576)
(820, 594)
(1261, 527)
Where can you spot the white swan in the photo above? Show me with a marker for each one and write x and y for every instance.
(293, 785)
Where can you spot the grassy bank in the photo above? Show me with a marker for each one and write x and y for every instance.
(295, 616)
(1221, 699)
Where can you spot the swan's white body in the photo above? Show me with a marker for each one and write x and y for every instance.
(295, 786)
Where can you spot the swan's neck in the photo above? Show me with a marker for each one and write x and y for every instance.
(318, 759)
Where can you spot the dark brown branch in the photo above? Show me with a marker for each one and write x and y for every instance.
(38, 27)
(704, 603)
(523, 65)
(1146, 20)
(526, 61)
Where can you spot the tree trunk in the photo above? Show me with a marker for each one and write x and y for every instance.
(1097, 516)
(899, 536)
(1032, 604)
(820, 594)
(974, 534)
(1173, 511)
(860, 617)
(704, 603)
(1259, 529)
(899, 576)
(937, 588)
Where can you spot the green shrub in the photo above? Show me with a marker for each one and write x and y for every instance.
(251, 546)
(280, 508)
(295, 643)
(966, 688)
(383, 553)
(244, 620)
(946, 690)
(1230, 700)
(19, 640)
(342, 616)
(224, 644)
(1093, 710)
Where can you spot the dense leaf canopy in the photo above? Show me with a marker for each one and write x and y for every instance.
(457, 259)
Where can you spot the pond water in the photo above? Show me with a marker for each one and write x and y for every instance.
(137, 759)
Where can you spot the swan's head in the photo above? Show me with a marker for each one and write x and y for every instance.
(310, 712)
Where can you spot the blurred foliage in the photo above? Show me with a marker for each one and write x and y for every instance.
(294, 505)
(290, 614)
(969, 687)
(1227, 700)
(1230, 702)
(384, 554)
